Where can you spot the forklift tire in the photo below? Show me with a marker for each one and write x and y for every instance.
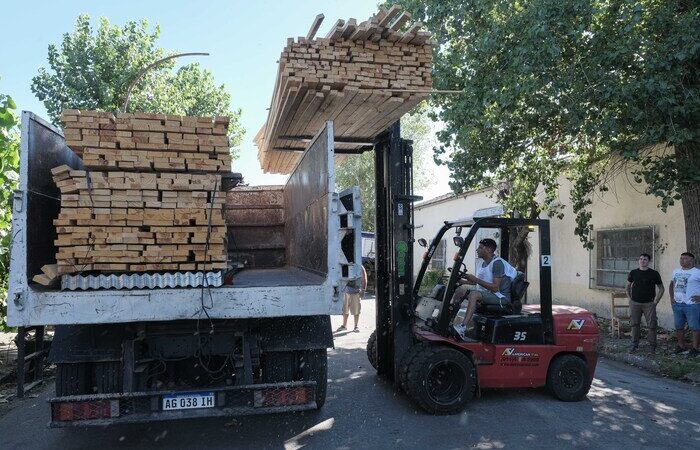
(313, 366)
(568, 378)
(406, 362)
(441, 380)
(372, 349)
(71, 379)
(106, 377)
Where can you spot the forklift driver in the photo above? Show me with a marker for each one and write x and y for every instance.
(493, 279)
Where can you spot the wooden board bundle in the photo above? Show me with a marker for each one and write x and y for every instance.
(363, 77)
(148, 142)
(149, 197)
(133, 222)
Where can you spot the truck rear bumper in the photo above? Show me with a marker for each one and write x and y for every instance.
(108, 409)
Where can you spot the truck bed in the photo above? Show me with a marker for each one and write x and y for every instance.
(276, 277)
(322, 234)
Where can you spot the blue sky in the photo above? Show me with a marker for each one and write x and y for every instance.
(244, 39)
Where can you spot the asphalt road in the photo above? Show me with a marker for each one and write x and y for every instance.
(626, 408)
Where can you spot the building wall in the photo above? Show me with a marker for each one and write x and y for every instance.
(573, 267)
(430, 217)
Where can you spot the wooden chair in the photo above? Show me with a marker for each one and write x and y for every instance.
(619, 312)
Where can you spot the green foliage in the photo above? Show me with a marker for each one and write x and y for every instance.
(9, 163)
(359, 170)
(430, 279)
(93, 69)
(573, 88)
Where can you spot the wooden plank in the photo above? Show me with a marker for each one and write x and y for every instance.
(401, 21)
(318, 20)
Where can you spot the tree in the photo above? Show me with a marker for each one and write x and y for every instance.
(359, 170)
(9, 163)
(583, 87)
(93, 70)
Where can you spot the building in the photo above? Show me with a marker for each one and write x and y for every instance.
(626, 222)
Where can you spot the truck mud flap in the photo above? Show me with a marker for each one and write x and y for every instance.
(108, 409)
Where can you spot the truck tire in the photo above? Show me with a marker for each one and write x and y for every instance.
(568, 378)
(71, 379)
(313, 366)
(441, 380)
(372, 349)
(106, 377)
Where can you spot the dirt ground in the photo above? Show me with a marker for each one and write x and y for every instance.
(8, 375)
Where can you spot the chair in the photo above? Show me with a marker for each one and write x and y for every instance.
(619, 312)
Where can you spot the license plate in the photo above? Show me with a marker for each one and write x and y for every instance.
(193, 400)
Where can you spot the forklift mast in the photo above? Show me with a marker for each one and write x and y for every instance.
(394, 248)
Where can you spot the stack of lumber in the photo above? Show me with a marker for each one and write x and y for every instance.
(363, 77)
(148, 142)
(153, 204)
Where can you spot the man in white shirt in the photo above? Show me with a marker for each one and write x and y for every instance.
(494, 277)
(685, 301)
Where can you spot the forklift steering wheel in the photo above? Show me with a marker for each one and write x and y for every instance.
(462, 273)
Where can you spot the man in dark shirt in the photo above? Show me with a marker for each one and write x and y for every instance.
(644, 289)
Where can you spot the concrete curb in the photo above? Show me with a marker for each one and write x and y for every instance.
(633, 360)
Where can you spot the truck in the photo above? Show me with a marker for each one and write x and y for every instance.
(253, 343)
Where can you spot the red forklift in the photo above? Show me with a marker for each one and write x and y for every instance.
(511, 346)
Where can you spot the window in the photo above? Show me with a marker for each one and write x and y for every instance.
(617, 252)
(438, 260)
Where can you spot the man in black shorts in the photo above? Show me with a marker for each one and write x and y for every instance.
(644, 289)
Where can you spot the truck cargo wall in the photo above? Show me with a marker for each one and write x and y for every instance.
(38, 193)
(306, 199)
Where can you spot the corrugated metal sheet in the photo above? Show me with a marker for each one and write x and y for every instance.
(141, 280)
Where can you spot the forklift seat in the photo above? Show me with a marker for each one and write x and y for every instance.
(517, 290)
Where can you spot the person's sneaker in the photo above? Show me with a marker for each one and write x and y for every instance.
(678, 350)
(356, 330)
(693, 353)
(634, 348)
(341, 328)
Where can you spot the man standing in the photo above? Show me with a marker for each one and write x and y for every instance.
(644, 289)
(351, 302)
(685, 301)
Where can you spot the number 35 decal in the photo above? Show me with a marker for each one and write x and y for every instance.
(520, 336)
(546, 260)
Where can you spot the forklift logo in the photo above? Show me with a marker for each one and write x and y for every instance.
(576, 324)
(510, 351)
(511, 357)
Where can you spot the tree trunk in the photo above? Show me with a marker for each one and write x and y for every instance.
(688, 158)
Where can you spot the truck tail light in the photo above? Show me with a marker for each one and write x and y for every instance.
(283, 397)
(88, 410)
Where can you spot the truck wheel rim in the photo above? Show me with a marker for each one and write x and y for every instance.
(445, 382)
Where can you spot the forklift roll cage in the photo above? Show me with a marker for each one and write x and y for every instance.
(504, 225)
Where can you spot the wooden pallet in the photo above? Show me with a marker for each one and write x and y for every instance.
(363, 77)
